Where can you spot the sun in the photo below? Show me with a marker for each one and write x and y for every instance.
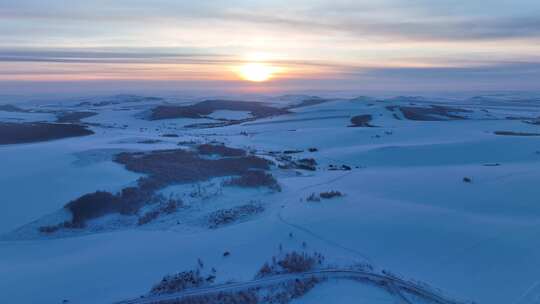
(256, 72)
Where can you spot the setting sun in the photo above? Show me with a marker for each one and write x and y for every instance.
(256, 72)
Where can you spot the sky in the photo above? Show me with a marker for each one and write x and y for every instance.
(384, 45)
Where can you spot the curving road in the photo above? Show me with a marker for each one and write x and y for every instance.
(390, 283)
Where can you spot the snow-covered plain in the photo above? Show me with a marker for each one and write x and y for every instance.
(406, 207)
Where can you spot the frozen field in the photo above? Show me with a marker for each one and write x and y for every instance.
(440, 191)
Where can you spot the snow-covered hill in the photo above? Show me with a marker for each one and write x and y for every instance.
(435, 190)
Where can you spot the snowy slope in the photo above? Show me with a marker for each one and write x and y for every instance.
(406, 207)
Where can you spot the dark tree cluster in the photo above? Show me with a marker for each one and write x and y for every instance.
(162, 168)
(291, 262)
(253, 179)
(178, 282)
(432, 113)
(223, 217)
(222, 150)
(168, 207)
(204, 108)
(288, 162)
(17, 133)
(361, 121)
(325, 195)
(330, 194)
(182, 166)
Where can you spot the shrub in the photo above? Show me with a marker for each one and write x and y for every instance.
(222, 150)
(178, 282)
(92, 205)
(292, 262)
(148, 217)
(170, 135)
(292, 151)
(223, 217)
(361, 121)
(167, 207)
(330, 194)
(253, 179)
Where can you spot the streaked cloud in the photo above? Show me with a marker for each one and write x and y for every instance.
(311, 39)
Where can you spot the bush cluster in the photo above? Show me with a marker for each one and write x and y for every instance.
(330, 194)
(292, 262)
(168, 207)
(222, 150)
(253, 179)
(223, 217)
(178, 282)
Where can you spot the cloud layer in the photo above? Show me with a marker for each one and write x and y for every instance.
(58, 40)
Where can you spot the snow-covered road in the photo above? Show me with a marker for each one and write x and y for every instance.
(391, 283)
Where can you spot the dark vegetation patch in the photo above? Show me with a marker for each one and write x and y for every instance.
(149, 141)
(324, 195)
(119, 99)
(308, 102)
(254, 179)
(292, 151)
(330, 194)
(291, 262)
(181, 166)
(173, 135)
(281, 292)
(224, 217)
(162, 168)
(178, 282)
(16, 133)
(432, 113)
(362, 121)
(166, 207)
(511, 133)
(12, 108)
(93, 205)
(333, 167)
(205, 108)
(288, 162)
(222, 150)
(73, 117)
